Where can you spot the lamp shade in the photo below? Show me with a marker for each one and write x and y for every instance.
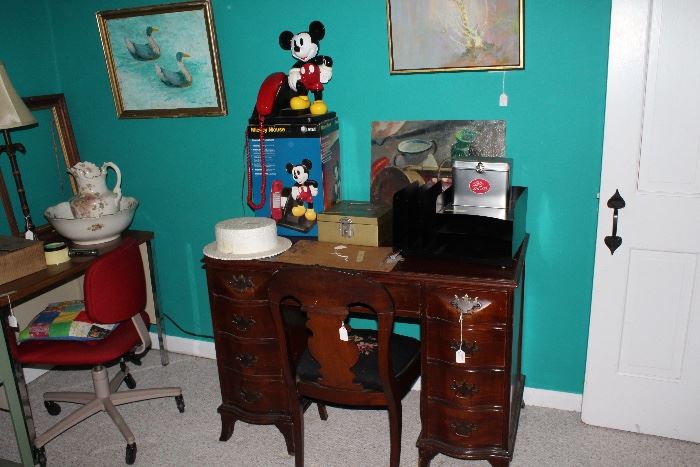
(13, 112)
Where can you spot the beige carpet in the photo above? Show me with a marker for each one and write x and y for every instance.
(546, 437)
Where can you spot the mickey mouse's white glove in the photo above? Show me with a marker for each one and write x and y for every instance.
(326, 73)
(293, 78)
(314, 190)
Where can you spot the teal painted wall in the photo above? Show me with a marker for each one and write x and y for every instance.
(188, 172)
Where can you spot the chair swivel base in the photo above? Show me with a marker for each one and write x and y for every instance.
(105, 398)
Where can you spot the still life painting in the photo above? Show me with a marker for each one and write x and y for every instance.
(422, 151)
(163, 60)
(455, 35)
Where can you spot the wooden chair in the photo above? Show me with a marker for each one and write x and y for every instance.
(369, 369)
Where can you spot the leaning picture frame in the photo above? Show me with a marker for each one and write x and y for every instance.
(163, 60)
(454, 35)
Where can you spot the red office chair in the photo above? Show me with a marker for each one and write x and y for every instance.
(337, 365)
(114, 292)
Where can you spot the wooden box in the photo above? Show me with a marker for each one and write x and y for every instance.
(356, 223)
(19, 257)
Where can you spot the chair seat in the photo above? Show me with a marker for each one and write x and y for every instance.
(403, 350)
(79, 353)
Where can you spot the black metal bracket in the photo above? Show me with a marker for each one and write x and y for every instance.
(614, 241)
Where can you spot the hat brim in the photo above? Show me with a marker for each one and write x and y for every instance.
(283, 244)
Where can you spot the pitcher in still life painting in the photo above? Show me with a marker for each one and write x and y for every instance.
(448, 35)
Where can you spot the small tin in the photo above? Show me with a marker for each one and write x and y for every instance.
(481, 182)
(356, 223)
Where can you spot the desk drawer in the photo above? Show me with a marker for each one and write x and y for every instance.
(249, 285)
(242, 319)
(407, 297)
(465, 428)
(249, 357)
(253, 394)
(463, 387)
(491, 306)
(483, 347)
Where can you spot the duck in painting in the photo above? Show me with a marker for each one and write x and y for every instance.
(147, 51)
(176, 79)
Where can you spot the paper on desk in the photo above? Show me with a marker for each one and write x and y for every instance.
(334, 255)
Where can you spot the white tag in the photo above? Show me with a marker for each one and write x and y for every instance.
(343, 333)
(503, 100)
(460, 356)
(29, 235)
(12, 321)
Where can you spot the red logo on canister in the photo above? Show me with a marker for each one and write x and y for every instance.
(479, 186)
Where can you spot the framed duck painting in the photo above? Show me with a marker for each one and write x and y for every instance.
(163, 60)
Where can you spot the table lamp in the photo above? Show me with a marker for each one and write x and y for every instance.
(14, 114)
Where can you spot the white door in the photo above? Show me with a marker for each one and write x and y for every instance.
(643, 366)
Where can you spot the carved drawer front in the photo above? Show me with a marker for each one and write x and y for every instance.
(259, 395)
(407, 297)
(476, 306)
(482, 347)
(239, 284)
(464, 387)
(465, 428)
(249, 356)
(242, 319)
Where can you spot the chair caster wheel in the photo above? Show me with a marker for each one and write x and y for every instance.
(180, 401)
(39, 455)
(52, 408)
(130, 453)
(130, 381)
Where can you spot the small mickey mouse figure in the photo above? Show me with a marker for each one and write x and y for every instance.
(303, 191)
(311, 71)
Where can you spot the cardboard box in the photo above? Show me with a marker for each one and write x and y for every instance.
(356, 223)
(302, 167)
(20, 257)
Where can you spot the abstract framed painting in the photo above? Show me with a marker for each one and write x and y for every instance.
(455, 35)
(163, 60)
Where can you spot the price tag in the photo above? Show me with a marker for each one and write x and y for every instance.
(460, 356)
(343, 333)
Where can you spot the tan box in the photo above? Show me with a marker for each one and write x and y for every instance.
(356, 223)
(20, 257)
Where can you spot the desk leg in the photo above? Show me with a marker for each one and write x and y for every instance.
(164, 358)
(18, 400)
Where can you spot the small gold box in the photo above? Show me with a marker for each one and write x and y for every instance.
(356, 223)
(20, 257)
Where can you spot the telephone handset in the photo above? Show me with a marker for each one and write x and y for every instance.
(271, 97)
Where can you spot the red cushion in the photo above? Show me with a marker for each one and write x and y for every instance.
(78, 353)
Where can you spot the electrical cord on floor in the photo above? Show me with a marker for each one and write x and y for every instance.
(185, 331)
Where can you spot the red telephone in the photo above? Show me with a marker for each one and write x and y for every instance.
(272, 96)
(276, 200)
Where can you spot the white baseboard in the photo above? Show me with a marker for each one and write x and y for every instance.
(532, 396)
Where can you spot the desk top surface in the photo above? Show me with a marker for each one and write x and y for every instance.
(28, 286)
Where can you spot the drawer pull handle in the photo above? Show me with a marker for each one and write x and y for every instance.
(466, 305)
(463, 390)
(242, 323)
(247, 360)
(250, 396)
(469, 348)
(240, 283)
(464, 428)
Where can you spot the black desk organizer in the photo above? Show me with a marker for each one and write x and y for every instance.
(422, 228)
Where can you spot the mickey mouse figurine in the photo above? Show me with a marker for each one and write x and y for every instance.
(303, 190)
(311, 71)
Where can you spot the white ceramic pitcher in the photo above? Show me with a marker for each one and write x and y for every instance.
(94, 199)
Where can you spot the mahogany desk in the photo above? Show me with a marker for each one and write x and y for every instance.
(468, 410)
(33, 285)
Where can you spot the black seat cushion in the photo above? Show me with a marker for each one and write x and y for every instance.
(403, 350)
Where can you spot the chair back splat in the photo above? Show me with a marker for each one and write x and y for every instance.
(328, 361)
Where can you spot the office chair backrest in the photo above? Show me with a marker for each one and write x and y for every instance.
(115, 284)
(326, 297)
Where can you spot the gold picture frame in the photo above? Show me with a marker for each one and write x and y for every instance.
(455, 35)
(163, 60)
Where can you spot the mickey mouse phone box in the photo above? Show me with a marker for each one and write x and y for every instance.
(292, 142)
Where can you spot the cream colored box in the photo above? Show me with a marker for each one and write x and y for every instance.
(356, 223)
